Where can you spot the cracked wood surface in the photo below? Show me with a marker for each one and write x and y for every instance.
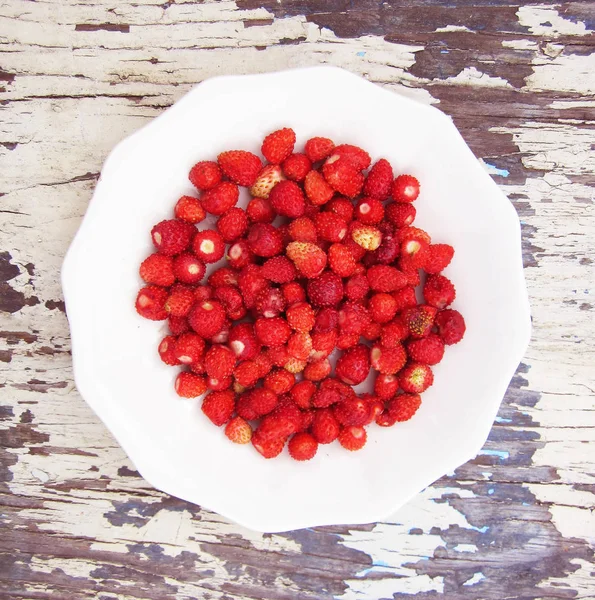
(77, 521)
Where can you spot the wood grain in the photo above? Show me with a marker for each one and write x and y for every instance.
(77, 520)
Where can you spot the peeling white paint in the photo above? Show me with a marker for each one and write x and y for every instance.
(544, 20)
(472, 76)
(477, 577)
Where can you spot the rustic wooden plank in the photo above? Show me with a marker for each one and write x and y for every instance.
(77, 520)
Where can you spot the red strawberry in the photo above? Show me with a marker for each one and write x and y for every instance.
(259, 210)
(451, 326)
(309, 259)
(330, 226)
(221, 336)
(419, 320)
(325, 427)
(218, 385)
(428, 351)
(325, 290)
(341, 206)
(372, 331)
(233, 224)
(239, 255)
(353, 318)
(316, 371)
(352, 411)
(342, 176)
(264, 239)
(386, 386)
(322, 345)
(251, 283)
(223, 276)
(353, 438)
(150, 303)
(180, 301)
(246, 374)
(303, 229)
(189, 385)
(272, 332)
(405, 188)
(346, 340)
(325, 397)
(394, 333)
(318, 148)
(413, 254)
(208, 245)
(279, 381)
(299, 345)
(405, 298)
(221, 198)
(400, 214)
(158, 270)
(296, 167)
(301, 316)
(403, 407)
(207, 318)
(302, 393)
(189, 348)
(388, 360)
(279, 269)
(238, 430)
(270, 302)
(189, 209)
(416, 378)
(327, 319)
(341, 260)
(178, 325)
(243, 341)
(277, 146)
(172, 237)
(219, 406)
(188, 269)
(383, 278)
(167, 352)
(357, 287)
(268, 448)
(240, 166)
(382, 307)
(414, 233)
(302, 446)
(219, 362)
(369, 211)
(438, 258)
(379, 180)
(439, 291)
(319, 192)
(263, 401)
(354, 365)
(359, 158)
(287, 199)
(267, 179)
(205, 175)
(366, 236)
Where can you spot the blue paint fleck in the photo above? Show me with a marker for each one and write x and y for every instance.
(502, 420)
(381, 563)
(501, 454)
(361, 54)
(491, 491)
(526, 504)
(481, 529)
(443, 51)
(494, 170)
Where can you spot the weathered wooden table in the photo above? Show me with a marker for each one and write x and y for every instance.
(77, 520)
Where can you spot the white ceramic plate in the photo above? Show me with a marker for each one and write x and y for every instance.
(120, 375)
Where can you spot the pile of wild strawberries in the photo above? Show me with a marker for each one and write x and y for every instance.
(337, 270)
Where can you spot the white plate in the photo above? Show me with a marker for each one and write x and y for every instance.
(116, 365)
